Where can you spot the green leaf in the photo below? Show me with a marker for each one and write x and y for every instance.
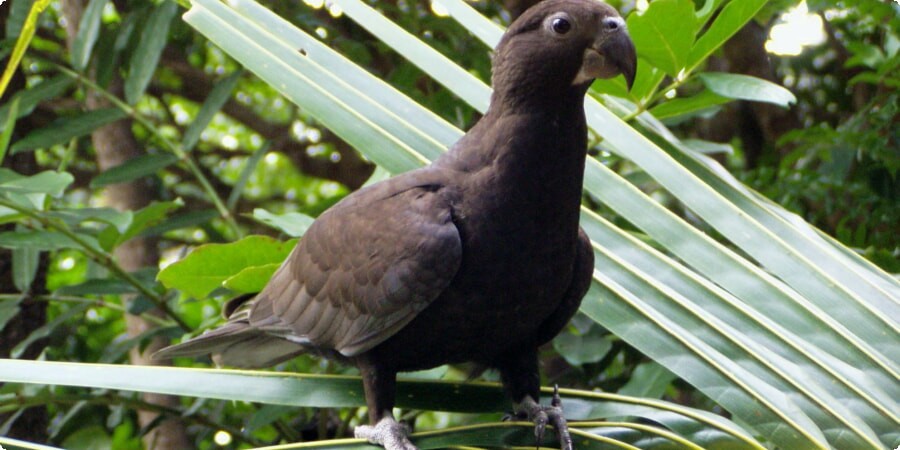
(664, 33)
(582, 349)
(217, 98)
(775, 415)
(88, 30)
(686, 106)
(336, 391)
(709, 7)
(18, 13)
(708, 147)
(293, 224)
(24, 267)
(134, 168)
(15, 444)
(426, 131)
(148, 216)
(205, 268)
(92, 437)
(23, 40)
(48, 328)
(35, 202)
(47, 182)
(42, 240)
(745, 87)
(252, 279)
(145, 57)
(61, 130)
(98, 286)
(178, 221)
(646, 81)
(9, 307)
(8, 127)
(235, 195)
(648, 380)
(266, 415)
(732, 18)
(111, 48)
(76, 216)
(29, 98)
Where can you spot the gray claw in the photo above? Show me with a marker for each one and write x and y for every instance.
(544, 415)
(388, 433)
(540, 424)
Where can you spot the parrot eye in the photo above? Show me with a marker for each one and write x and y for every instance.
(560, 25)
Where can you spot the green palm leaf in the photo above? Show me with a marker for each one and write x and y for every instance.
(686, 427)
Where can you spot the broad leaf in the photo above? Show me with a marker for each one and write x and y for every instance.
(205, 268)
(745, 87)
(293, 223)
(664, 33)
(732, 18)
(252, 279)
(586, 348)
(148, 216)
(47, 182)
(688, 106)
(649, 379)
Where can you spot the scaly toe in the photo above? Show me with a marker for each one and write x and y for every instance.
(544, 415)
(559, 423)
(387, 433)
(540, 420)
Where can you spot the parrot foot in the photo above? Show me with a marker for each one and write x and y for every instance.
(542, 416)
(388, 433)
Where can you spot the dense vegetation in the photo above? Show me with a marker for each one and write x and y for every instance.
(154, 165)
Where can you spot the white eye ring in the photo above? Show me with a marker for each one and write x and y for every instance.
(560, 24)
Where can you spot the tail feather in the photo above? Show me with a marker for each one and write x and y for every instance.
(235, 344)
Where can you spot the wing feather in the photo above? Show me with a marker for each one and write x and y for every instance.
(365, 268)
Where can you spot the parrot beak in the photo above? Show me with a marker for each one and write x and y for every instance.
(620, 52)
(611, 54)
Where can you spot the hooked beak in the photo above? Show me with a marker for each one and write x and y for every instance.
(612, 54)
(620, 53)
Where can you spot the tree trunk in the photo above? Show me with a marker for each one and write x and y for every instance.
(115, 144)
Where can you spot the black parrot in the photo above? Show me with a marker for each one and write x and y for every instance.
(476, 257)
